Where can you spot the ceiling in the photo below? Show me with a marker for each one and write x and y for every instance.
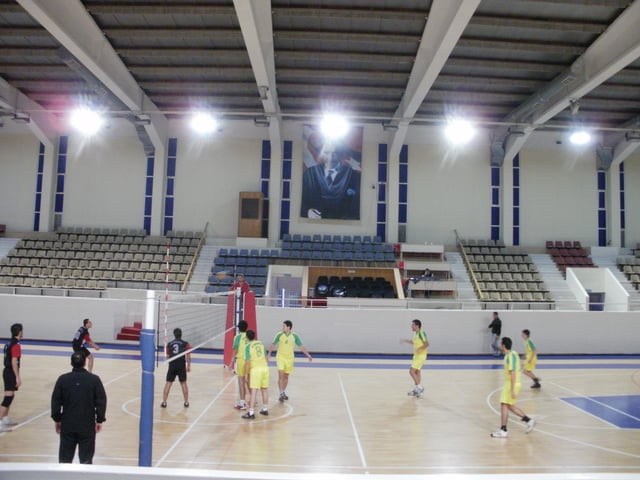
(512, 65)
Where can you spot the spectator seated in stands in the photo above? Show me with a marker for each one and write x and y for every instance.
(426, 275)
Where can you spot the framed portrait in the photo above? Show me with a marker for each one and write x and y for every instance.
(331, 178)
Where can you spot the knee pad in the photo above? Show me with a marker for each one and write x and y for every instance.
(6, 402)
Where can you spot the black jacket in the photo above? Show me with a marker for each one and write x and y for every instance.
(78, 401)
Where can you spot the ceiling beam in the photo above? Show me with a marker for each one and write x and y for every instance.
(617, 146)
(16, 104)
(616, 48)
(256, 25)
(72, 26)
(445, 24)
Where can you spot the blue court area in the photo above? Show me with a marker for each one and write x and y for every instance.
(623, 411)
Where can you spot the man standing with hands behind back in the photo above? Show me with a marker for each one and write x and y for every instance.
(78, 406)
(496, 330)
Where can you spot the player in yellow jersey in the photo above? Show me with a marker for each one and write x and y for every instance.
(530, 358)
(286, 340)
(511, 390)
(420, 344)
(239, 345)
(257, 375)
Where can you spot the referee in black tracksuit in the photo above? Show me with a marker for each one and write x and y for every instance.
(78, 406)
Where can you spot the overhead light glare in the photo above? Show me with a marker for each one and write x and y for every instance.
(86, 121)
(459, 131)
(203, 123)
(580, 137)
(334, 126)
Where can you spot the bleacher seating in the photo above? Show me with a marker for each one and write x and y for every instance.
(252, 263)
(503, 274)
(355, 250)
(568, 254)
(629, 265)
(94, 258)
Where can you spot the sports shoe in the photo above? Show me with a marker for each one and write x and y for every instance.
(413, 392)
(264, 412)
(536, 385)
(282, 397)
(163, 404)
(500, 434)
(249, 416)
(240, 406)
(530, 424)
(420, 389)
(8, 421)
(186, 404)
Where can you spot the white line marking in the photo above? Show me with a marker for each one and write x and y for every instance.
(560, 437)
(194, 423)
(353, 425)
(48, 412)
(591, 399)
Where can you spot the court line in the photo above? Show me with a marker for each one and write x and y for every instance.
(353, 425)
(48, 412)
(272, 418)
(194, 423)
(602, 404)
(560, 437)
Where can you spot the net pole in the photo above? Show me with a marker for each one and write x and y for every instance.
(166, 298)
(147, 354)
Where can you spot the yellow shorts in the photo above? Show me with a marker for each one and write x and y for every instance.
(284, 364)
(418, 361)
(241, 367)
(506, 397)
(259, 377)
(530, 365)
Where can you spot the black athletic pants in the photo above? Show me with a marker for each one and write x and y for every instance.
(86, 442)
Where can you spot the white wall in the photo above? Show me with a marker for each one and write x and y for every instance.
(210, 173)
(348, 330)
(632, 200)
(558, 196)
(18, 169)
(448, 189)
(104, 182)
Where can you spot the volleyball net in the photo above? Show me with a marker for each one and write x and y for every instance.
(203, 324)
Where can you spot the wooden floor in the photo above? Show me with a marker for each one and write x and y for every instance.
(346, 415)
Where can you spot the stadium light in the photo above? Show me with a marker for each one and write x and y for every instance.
(580, 137)
(334, 126)
(459, 131)
(203, 123)
(86, 121)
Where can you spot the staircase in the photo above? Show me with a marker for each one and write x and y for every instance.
(466, 293)
(202, 269)
(130, 333)
(555, 282)
(6, 244)
(610, 263)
